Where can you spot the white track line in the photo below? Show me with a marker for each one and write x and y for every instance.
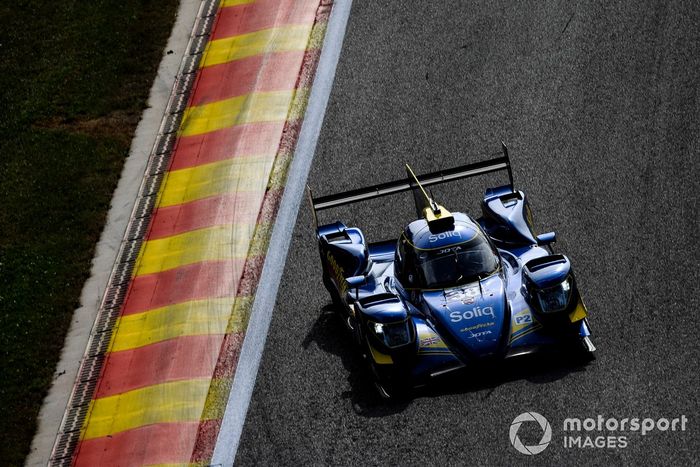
(261, 314)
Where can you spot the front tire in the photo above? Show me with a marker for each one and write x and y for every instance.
(581, 351)
(391, 383)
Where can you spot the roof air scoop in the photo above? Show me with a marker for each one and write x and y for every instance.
(437, 216)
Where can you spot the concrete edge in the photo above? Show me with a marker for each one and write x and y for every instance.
(121, 207)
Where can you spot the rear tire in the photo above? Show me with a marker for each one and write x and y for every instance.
(335, 298)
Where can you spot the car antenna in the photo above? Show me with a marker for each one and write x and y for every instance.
(437, 216)
(420, 196)
(433, 205)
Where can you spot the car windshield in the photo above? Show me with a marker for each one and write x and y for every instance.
(458, 264)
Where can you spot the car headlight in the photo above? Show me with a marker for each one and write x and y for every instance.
(554, 299)
(393, 335)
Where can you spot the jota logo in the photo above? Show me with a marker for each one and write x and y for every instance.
(457, 316)
(479, 334)
(546, 433)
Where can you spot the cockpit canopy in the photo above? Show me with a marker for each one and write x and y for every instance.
(436, 259)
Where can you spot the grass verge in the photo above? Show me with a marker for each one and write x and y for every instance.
(74, 79)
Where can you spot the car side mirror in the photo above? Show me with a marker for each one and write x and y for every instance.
(546, 238)
(356, 282)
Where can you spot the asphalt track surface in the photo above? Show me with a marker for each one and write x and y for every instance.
(599, 105)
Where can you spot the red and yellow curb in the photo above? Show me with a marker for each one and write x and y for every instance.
(175, 344)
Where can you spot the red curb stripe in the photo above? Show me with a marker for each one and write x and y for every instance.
(229, 354)
(152, 444)
(206, 440)
(185, 357)
(306, 76)
(241, 207)
(209, 279)
(259, 73)
(253, 139)
(231, 347)
(263, 14)
(249, 280)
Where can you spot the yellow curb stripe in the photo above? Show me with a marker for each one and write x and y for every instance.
(179, 401)
(255, 107)
(227, 3)
(192, 318)
(227, 176)
(198, 399)
(281, 39)
(220, 242)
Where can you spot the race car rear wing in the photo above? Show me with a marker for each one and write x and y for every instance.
(398, 186)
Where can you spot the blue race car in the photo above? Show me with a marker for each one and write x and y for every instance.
(452, 291)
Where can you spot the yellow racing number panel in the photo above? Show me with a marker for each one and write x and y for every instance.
(523, 323)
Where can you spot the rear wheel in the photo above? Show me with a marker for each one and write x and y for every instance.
(337, 303)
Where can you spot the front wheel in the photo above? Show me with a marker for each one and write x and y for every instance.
(587, 349)
(582, 350)
(391, 383)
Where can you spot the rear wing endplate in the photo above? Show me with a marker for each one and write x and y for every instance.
(398, 186)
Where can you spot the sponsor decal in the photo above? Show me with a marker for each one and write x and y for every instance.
(339, 274)
(444, 251)
(476, 312)
(530, 221)
(467, 296)
(478, 326)
(428, 341)
(443, 235)
(479, 334)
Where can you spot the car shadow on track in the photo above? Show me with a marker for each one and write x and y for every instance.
(331, 335)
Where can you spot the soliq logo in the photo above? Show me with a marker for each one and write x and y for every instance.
(476, 312)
